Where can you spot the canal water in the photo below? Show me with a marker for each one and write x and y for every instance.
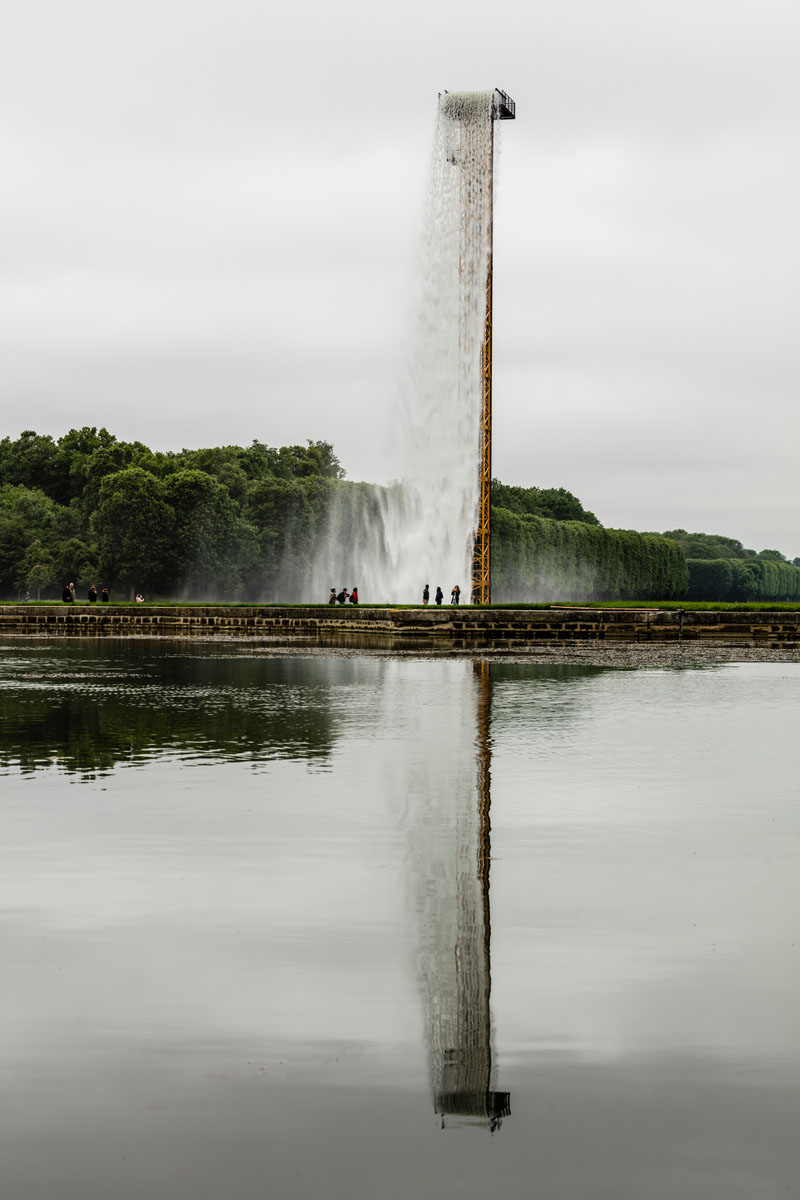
(318, 925)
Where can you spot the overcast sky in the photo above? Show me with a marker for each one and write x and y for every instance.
(210, 217)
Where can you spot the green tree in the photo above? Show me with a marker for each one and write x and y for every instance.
(25, 515)
(133, 525)
(76, 562)
(37, 569)
(301, 462)
(709, 578)
(555, 503)
(32, 461)
(745, 584)
(14, 540)
(234, 478)
(258, 460)
(103, 461)
(212, 547)
(32, 505)
(74, 453)
(708, 545)
(282, 513)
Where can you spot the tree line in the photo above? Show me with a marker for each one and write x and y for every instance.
(245, 523)
(540, 559)
(215, 521)
(721, 568)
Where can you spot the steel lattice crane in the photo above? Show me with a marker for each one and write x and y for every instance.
(503, 109)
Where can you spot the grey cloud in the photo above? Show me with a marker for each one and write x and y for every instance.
(212, 212)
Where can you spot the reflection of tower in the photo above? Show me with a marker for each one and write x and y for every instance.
(461, 1033)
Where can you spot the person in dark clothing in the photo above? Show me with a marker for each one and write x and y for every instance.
(341, 596)
(354, 596)
(455, 594)
(332, 597)
(426, 594)
(67, 595)
(92, 594)
(104, 596)
(439, 597)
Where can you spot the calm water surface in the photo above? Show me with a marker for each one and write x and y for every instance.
(305, 926)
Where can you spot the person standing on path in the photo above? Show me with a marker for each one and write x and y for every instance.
(426, 594)
(439, 597)
(92, 594)
(354, 596)
(455, 594)
(104, 596)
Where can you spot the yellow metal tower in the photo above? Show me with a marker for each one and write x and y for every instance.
(503, 109)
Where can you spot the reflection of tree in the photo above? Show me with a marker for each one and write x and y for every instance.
(537, 672)
(86, 711)
(528, 697)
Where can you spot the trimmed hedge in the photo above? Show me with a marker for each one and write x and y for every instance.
(537, 559)
(742, 579)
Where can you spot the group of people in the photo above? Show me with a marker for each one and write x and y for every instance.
(342, 596)
(455, 594)
(68, 595)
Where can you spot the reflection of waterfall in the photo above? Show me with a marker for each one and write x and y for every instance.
(421, 530)
(447, 788)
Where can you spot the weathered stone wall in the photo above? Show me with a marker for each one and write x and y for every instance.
(432, 628)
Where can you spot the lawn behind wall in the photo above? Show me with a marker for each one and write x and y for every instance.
(594, 605)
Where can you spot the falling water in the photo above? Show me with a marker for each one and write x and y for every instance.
(420, 530)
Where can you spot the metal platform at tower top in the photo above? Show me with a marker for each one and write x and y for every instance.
(504, 107)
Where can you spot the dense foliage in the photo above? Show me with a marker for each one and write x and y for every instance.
(708, 545)
(721, 568)
(534, 558)
(556, 503)
(714, 545)
(756, 578)
(232, 522)
(215, 523)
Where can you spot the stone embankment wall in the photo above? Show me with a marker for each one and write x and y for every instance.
(430, 628)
